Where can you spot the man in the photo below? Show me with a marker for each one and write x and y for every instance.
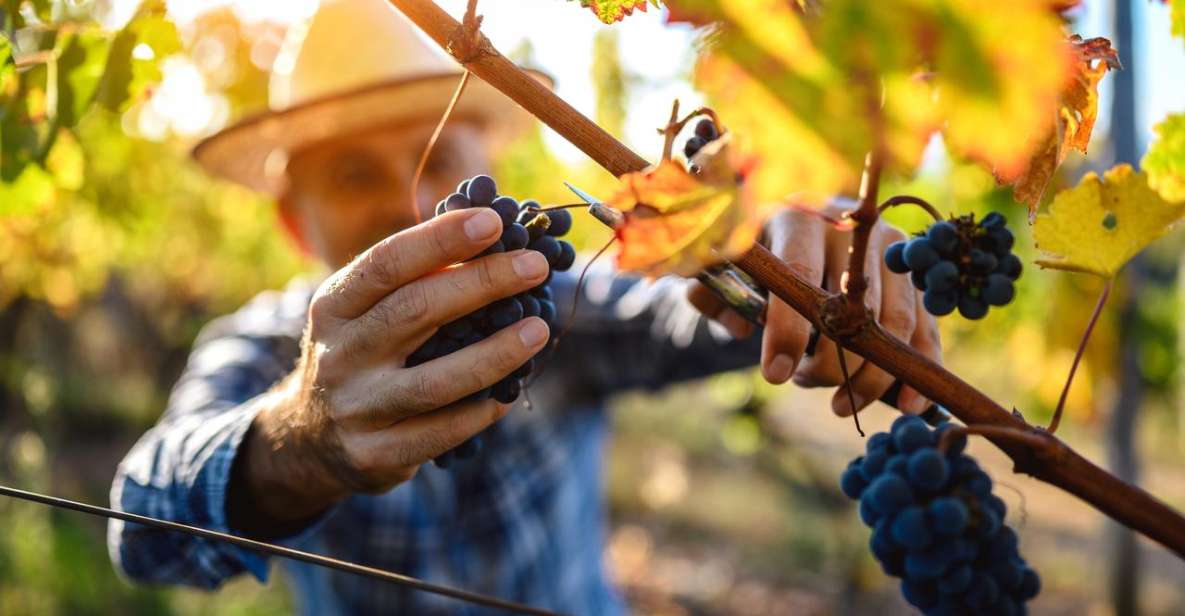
(296, 420)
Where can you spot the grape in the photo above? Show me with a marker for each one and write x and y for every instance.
(942, 277)
(918, 278)
(566, 259)
(944, 237)
(999, 290)
(548, 247)
(504, 312)
(972, 307)
(693, 145)
(909, 528)
(1010, 266)
(1002, 240)
(956, 580)
(956, 444)
(895, 258)
(919, 595)
(982, 262)
(514, 236)
(880, 440)
(928, 470)
(507, 209)
(940, 304)
(561, 222)
(456, 201)
(888, 494)
(948, 515)
(898, 464)
(911, 435)
(920, 254)
(852, 483)
(482, 190)
(874, 463)
(993, 220)
(706, 129)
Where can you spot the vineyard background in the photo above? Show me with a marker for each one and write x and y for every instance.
(113, 256)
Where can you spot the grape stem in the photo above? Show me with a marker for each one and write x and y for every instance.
(911, 200)
(1054, 462)
(674, 126)
(448, 111)
(865, 218)
(1030, 437)
(847, 385)
(566, 206)
(1094, 318)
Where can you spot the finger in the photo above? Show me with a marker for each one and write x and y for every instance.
(407, 317)
(406, 256)
(800, 241)
(416, 440)
(897, 312)
(925, 340)
(822, 368)
(387, 395)
(714, 308)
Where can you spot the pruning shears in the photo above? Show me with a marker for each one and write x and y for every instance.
(737, 289)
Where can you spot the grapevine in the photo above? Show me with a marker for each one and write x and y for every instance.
(523, 226)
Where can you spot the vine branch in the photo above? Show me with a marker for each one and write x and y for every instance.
(1053, 461)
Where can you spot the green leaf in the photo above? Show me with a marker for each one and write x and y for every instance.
(7, 74)
(1165, 161)
(1097, 226)
(31, 189)
(612, 11)
(115, 89)
(80, 69)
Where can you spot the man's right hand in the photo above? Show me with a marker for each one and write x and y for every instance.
(351, 417)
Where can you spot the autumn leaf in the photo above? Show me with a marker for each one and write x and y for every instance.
(1076, 112)
(1165, 161)
(676, 223)
(832, 79)
(1097, 226)
(612, 11)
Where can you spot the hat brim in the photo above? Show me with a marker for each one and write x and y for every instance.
(254, 151)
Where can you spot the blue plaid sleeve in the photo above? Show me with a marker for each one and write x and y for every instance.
(179, 470)
(630, 333)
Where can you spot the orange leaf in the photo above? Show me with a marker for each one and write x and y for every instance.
(676, 222)
(1077, 110)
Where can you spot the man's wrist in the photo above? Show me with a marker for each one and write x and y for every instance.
(276, 487)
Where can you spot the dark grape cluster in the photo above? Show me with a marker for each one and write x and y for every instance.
(705, 132)
(960, 264)
(936, 524)
(523, 226)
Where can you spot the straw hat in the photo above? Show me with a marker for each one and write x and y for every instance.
(356, 65)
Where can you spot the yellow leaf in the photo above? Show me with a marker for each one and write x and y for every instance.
(676, 223)
(1097, 226)
(1165, 160)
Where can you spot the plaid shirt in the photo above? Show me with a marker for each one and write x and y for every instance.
(525, 521)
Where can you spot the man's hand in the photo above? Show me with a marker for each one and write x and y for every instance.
(819, 253)
(351, 417)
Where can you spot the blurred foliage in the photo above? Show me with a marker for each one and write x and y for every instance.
(115, 250)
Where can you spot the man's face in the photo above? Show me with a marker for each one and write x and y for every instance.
(346, 194)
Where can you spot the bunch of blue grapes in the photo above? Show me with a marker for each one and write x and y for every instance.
(936, 524)
(523, 226)
(960, 264)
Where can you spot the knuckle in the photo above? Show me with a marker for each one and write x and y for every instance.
(487, 279)
(427, 391)
(384, 263)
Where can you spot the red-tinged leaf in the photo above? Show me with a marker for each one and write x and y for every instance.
(612, 11)
(1076, 113)
(676, 222)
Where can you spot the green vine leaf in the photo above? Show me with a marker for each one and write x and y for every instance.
(1177, 16)
(613, 11)
(80, 70)
(1165, 161)
(1097, 226)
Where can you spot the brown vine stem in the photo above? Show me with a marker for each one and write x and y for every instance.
(865, 218)
(911, 200)
(847, 384)
(669, 131)
(1054, 462)
(1030, 437)
(1094, 318)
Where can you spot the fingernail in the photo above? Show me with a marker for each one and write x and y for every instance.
(530, 264)
(482, 223)
(780, 369)
(532, 333)
(841, 403)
